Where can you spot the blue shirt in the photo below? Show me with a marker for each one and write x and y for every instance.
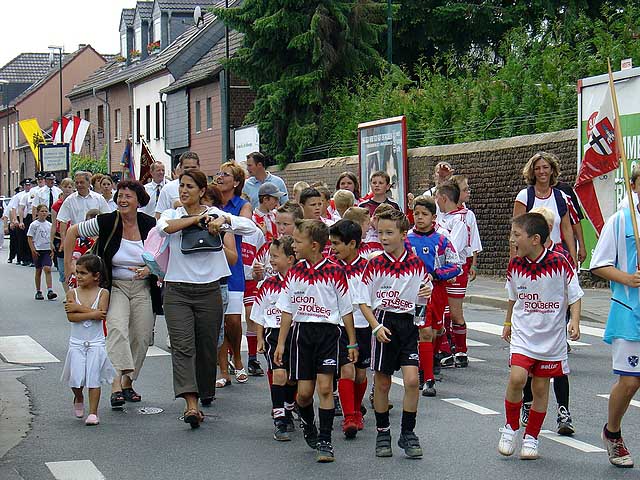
(252, 185)
(235, 282)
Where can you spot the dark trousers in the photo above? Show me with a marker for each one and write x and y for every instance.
(13, 243)
(24, 252)
(194, 314)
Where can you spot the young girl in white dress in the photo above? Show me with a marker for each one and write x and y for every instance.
(87, 363)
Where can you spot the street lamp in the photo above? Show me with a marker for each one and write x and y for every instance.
(52, 49)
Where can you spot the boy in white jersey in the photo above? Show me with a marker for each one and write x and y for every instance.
(391, 284)
(541, 284)
(315, 298)
(267, 318)
(345, 238)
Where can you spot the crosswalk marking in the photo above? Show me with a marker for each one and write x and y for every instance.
(470, 406)
(397, 380)
(571, 442)
(633, 403)
(593, 331)
(474, 343)
(156, 352)
(24, 349)
(75, 470)
(493, 329)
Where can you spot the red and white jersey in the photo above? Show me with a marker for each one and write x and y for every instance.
(316, 293)
(266, 222)
(251, 244)
(354, 272)
(392, 284)
(458, 231)
(263, 256)
(474, 233)
(264, 311)
(370, 249)
(542, 290)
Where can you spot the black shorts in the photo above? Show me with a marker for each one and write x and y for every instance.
(402, 350)
(363, 338)
(314, 349)
(270, 345)
(43, 259)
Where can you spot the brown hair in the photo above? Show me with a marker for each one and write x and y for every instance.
(134, 186)
(396, 216)
(382, 208)
(357, 214)
(351, 176)
(529, 167)
(315, 229)
(197, 176)
(380, 173)
(450, 190)
(292, 208)
(285, 243)
(238, 176)
(189, 156)
(427, 202)
(323, 188)
(214, 195)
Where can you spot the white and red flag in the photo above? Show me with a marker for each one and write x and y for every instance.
(593, 185)
(56, 131)
(75, 132)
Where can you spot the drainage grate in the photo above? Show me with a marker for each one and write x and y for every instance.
(150, 410)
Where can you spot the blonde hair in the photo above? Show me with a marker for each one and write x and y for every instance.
(67, 182)
(529, 167)
(238, 175)
(298, 187)
(548, 215)
(344, 199)
(357, 214)
(323, 188)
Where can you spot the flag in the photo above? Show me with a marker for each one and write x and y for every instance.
(593, 185)
(146, 159)
(75, 132)
(56, 131)
(33, 134)
(126, 160)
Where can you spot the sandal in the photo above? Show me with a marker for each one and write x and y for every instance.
(130, 395)
(241, 376)
(223, 382)
(193, 417)
(117, 399)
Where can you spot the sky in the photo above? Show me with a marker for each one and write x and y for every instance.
(34, 25)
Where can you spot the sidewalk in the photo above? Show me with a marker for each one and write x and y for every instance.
(490, 292)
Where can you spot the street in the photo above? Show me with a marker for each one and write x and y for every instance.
(458, 429)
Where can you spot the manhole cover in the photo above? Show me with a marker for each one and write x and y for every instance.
(150, 410)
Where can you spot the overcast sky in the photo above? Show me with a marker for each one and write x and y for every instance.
(31, 26)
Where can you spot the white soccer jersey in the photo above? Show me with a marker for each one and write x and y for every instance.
(458, 231)
(316, 293)
(264, 311)
(263, 256)
(542, 290)
(251, 244)
(474, 233)
(392, 284)
(354, 273)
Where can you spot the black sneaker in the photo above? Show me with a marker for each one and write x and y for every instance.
(447, 361)
(410, 443)
(338, 406)
(288, 420)
(254, 369)
(39, 295)
(383, 444)
(280, 432)
(429, 389)
(310, 433)
(324, 452)
(565, 426)
(10, 260)
(420, 379)
(51, 295)
(461, 360)
(206, 401)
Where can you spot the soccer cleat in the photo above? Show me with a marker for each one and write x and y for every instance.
(565, 426)
(524, 414)
(324, 452)
(447, 361)
(617, 451)
(310, 433)
(349, 426)
(338, 406)
(383, 444)
(429, 388)
(410, 443)
(254, 368)
(461, 360)
(420, 379)
(39, 295)
(359, 421)
(51, 295)
(280, 432)
(529, 450)
(506, 445)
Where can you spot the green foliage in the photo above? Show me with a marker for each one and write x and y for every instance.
(93, 165)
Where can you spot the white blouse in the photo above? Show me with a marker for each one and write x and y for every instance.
(128, 255)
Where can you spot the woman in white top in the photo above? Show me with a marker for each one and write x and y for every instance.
(106, 187)
(192, 300)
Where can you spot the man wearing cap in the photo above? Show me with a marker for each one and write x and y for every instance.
(46, 195)
(12, 215)
(23, 215)
(256, 163)
(264, 216)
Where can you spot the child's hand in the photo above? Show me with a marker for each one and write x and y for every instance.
(425, 291)
(633, 280)
(506, 333)
(383, 335)
(353, 354)
(101, 315)
(258, 271)
(73, 308)
(260, 347)
(34, 253)
(574, 330)
(277, 356)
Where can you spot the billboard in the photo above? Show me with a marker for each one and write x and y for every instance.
(246, 140)
(382, 145)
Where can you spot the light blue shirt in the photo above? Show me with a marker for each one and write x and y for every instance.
(252, 185)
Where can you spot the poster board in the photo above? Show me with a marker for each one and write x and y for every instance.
(54, 158)
(246, 140)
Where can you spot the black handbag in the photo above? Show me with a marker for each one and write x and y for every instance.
(197, 238)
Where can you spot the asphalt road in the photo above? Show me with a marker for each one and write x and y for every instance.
(235, 440)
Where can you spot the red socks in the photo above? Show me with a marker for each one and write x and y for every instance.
(512, 411)
(360, 391)
(535, 423)
(346, 389)
(252, 344)
(425, 353)
(459, 333)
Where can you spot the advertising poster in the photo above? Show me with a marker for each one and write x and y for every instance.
(246, 140)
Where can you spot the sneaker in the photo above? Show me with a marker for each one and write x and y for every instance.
(565, 426)
(420, 379)
(410, 443)
(10, 260)
(359, 418)
(254, 368)
(383, 444)
(618, 453)
(529, 450)
(324, 452)
(349, 427)
(289, 423)
(39, 295)
(506, 445)
(280, 432)
(429, 389)
(461, 360)
(92, 420)
(310, 433)
(338, 406)
(51, 295)
(447, 361)
(524, 414)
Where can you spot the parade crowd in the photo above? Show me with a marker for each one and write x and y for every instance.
(332, 285)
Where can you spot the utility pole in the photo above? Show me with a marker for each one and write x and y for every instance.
(389, 33)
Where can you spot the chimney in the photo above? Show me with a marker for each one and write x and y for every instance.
(81, 46)
(129, 44)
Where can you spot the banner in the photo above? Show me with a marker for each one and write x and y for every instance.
(33, 134)
(146, 159)
(127, 162)
(56, 132)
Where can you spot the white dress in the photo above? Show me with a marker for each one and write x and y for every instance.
(87, 363)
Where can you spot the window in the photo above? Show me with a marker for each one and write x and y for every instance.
(138, 40)
(118, 125)
(198, 119)
(209, 115)
(101, 117)
(156, 29)
(86, 114)
(157, 120)
(147, 130)
(137, 125)
(78, 114)
(123, 45)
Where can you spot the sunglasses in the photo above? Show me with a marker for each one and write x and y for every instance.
(223, 174)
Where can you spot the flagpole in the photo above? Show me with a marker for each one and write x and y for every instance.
(622, 155)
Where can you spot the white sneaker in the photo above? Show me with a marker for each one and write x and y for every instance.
(506, 445)
(529, 450)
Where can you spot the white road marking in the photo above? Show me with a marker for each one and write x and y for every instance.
(470, 406)
(493, 329)
(596, 332)
(634, 403)
(156, 352)
(24, 349)
(571, 442)
(473, 343)
(75, 470)
(475, 360)
(397, 380)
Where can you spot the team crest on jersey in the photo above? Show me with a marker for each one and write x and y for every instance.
(633, 360)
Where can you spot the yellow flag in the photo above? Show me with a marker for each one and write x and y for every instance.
(33, 133)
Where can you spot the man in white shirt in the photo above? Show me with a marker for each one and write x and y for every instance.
(46, 195)
(169, 194)
(154, 187)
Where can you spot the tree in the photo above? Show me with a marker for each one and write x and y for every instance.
(292, 53)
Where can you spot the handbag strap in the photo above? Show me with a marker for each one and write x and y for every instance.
(113, 231)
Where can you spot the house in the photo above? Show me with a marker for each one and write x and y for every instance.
(171, 18)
